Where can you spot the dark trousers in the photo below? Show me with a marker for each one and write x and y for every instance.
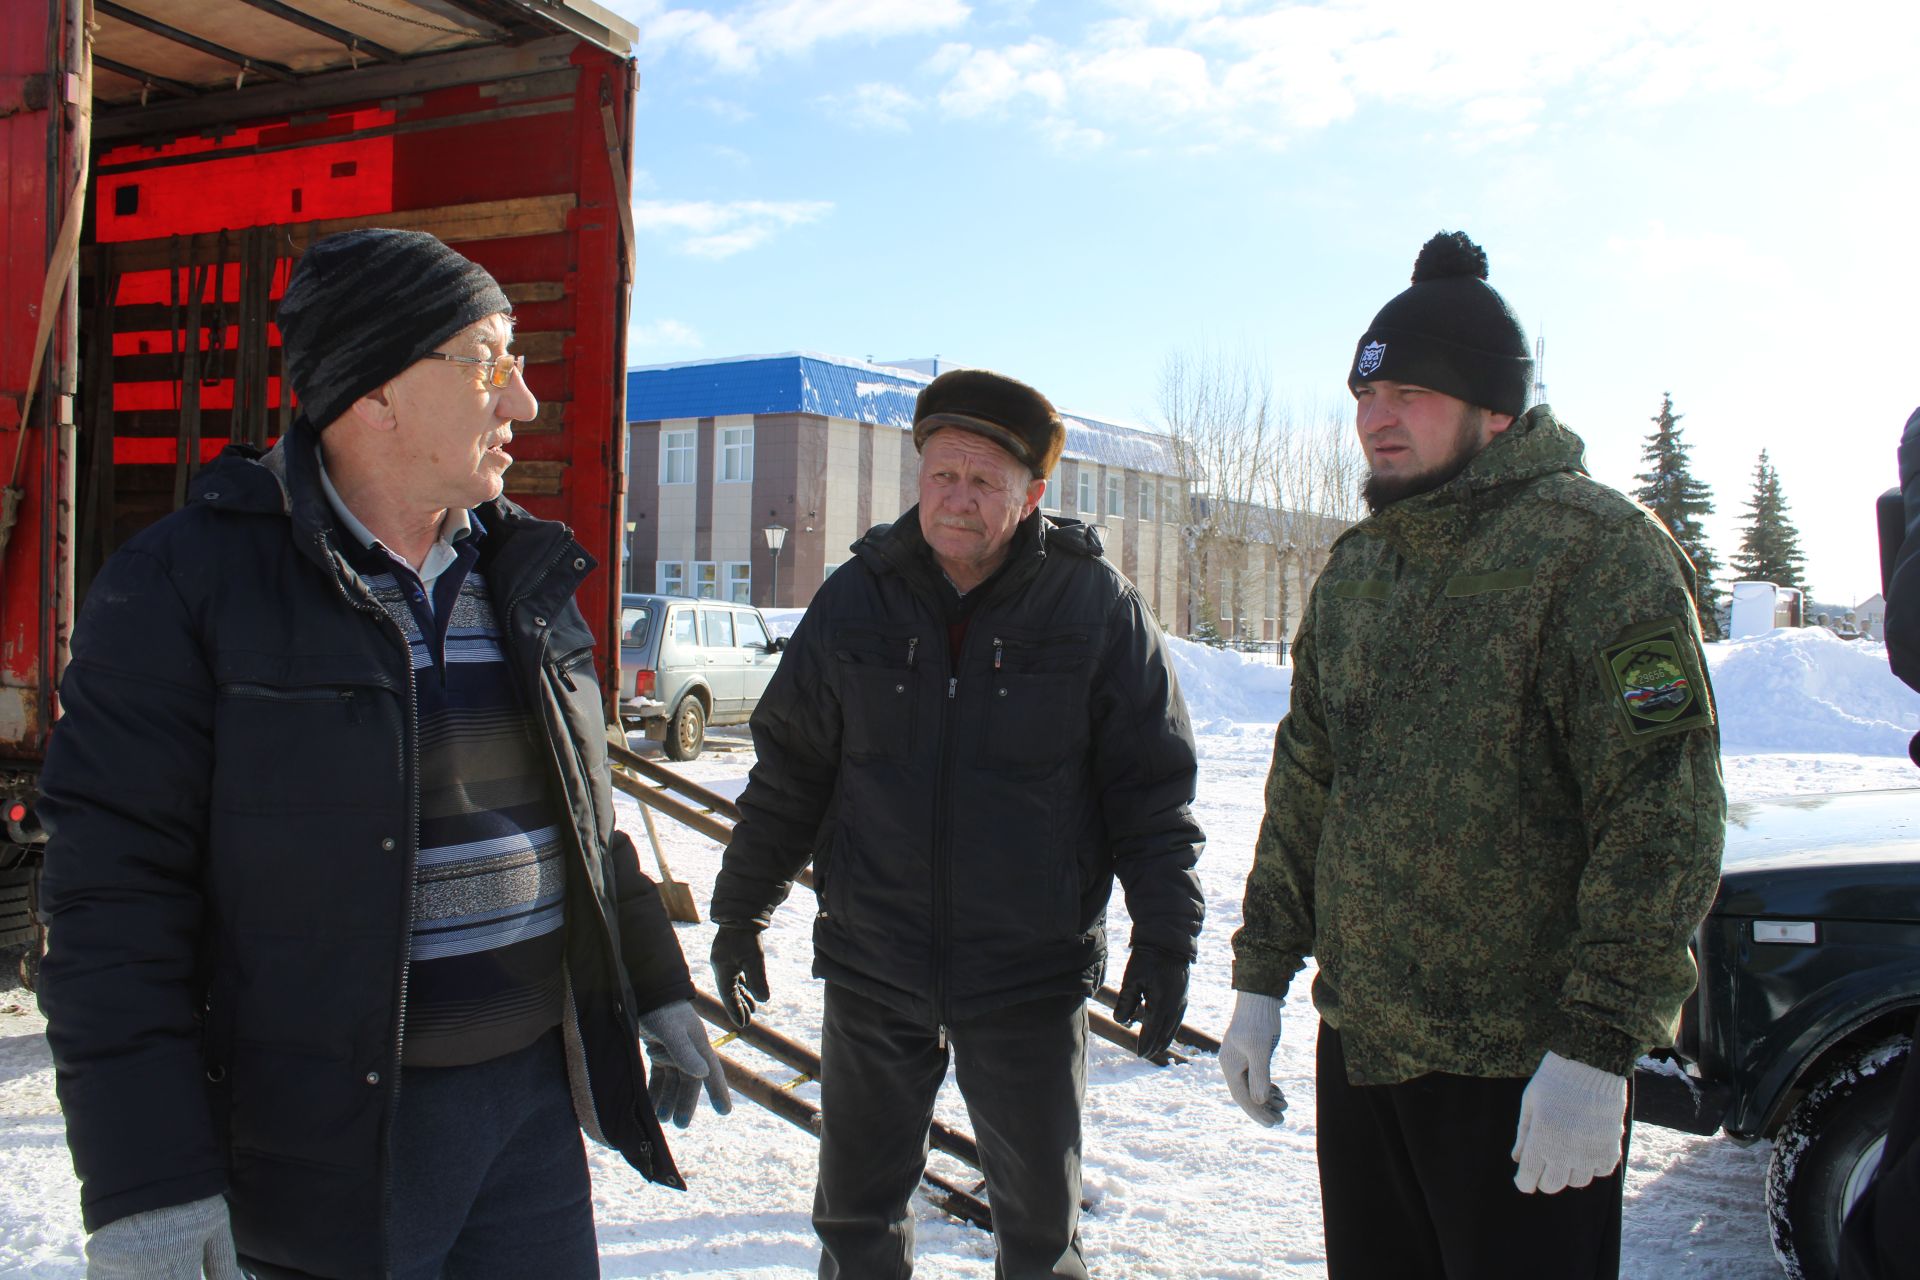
(490, 1174)
(1416, 1183)
(1022, 1072)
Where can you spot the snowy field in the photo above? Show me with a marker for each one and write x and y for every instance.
(1180, 1183)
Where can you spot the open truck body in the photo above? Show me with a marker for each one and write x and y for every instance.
(167, 161)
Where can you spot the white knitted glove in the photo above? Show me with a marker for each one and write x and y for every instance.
(1572, 1118)
(1246, 1056)
(173, 1243)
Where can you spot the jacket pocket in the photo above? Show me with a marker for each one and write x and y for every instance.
(1037, 689)
(876, 670)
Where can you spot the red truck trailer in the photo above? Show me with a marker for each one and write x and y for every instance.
(165, 164)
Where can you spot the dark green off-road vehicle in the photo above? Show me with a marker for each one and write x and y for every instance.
(1802, 1023)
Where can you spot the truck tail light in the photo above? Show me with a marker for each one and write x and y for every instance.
(643, 683)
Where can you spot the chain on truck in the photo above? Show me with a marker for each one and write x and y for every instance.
(166, 162)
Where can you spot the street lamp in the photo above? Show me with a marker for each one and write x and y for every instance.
(776, 538)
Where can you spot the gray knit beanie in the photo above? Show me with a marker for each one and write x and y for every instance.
(364, 305)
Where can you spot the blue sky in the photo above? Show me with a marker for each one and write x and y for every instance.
(1714, 199)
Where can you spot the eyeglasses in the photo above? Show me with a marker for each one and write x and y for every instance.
(499, 369)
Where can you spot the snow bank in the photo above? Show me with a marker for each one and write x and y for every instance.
(1223, 687)
(1806, 690)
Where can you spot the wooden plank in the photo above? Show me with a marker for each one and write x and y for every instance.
(540, 479)
(456, 224)
(325, 89)
(546, 347)
(536, 291)
(152, 317)
(549, 421)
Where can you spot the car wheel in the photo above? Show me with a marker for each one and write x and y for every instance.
(1826, 1153)
(686, 731)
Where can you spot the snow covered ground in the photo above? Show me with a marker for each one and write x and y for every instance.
(1180, 1183)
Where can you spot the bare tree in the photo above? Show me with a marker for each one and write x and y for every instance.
(1217, 410)
(1310, 485)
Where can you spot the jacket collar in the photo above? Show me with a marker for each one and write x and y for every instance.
(285, 481)
(901, 550)
(1436, 523)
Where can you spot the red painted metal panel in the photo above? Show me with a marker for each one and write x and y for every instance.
(202, 184)
(27, 30)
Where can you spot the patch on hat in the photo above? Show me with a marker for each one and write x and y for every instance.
(1370, 357)
(1654, 679)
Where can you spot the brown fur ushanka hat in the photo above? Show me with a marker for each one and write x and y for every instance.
(1006, 411)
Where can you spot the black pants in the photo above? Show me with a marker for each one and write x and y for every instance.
(1416, 1182)
(1023, 1074)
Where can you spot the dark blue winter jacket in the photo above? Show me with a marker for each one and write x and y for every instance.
(232, 794)
(966, 815)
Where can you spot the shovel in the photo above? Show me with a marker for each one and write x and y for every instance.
(676, 894)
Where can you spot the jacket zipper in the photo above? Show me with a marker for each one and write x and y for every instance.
(559, 779)
(412, 858)
(943, 854)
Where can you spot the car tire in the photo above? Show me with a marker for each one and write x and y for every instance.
(686, 730)
(1826, 1153)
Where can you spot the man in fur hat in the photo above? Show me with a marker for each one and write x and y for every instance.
(974, 729)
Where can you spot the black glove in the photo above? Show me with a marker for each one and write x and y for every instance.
(740, 972)
(1158, 981)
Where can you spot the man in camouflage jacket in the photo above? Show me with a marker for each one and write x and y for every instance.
(1494, 816)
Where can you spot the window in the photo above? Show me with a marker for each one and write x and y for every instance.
(681, 622)
(716, 628)
(1146, 499)
(676, 457)
(748, 631)
(828, 573)
(1116, 498)
(1173, 502)
(670, 577)
(736, 454)
(636, 623)
(1050, 500)
(739, 579)
(1084, 498)
(706, 579)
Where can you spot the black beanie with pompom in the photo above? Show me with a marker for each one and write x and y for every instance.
(1449, 332)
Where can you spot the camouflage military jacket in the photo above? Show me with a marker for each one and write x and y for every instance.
(1495, 809)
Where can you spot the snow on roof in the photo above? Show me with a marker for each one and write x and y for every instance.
(852, 390)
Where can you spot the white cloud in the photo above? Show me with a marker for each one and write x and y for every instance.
(873, 106)
(660, 336)
(738, 42)
(720, 229)
(1212, 71)
(1659, 254)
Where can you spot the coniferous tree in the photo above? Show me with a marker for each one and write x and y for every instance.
(1670, 491)
(1770, 547)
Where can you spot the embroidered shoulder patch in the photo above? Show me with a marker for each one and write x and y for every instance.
(1654, 681)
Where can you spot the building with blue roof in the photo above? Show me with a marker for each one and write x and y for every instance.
(821, 446)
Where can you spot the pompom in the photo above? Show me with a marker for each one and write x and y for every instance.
(1450, 254)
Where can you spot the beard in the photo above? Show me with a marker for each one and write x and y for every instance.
(1380, 492)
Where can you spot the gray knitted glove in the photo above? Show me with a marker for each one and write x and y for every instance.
(682, 1058)
(173, 1243)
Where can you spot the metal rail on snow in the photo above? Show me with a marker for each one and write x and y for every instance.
(713, 815)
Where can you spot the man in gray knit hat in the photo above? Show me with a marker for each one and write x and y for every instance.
(345, 950)
(1494, 816)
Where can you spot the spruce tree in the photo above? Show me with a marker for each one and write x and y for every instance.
(1670, 491)
(1770, 547)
